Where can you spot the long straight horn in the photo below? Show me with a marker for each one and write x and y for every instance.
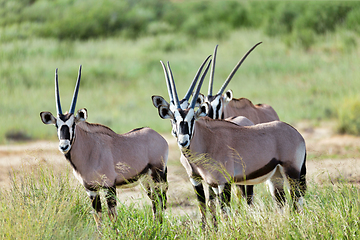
(57, 94)
(197, 91)
(173, 88)
(168, 84)
(212, 71)
(235, 69)
(192, 86)
(76, 91)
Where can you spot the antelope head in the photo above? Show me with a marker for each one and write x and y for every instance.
(217, 102)
(183, 118)
(65, 123)
(160, 103)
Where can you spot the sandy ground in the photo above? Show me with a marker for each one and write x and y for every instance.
(331, 157)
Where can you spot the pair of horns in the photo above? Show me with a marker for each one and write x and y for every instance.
(57, 94)
(227, 81)
(172, 88)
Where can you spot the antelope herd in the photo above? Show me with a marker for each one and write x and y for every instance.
(222, 140)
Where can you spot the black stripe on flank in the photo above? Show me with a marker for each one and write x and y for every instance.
(264, 170)
(134, 179)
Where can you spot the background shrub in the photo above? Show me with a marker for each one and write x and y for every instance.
(349, 116)
(85, 19)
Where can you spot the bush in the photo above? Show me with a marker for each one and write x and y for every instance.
(85, 19)
(349, 116)
(353, 20)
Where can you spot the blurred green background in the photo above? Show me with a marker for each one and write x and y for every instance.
(307, 67)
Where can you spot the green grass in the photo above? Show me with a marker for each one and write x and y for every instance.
(120, 76)
(45, 205)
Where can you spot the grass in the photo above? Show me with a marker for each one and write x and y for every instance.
(120, 76)
(47, 205)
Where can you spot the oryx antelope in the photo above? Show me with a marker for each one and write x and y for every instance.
(159, 101)
(103, 159)
(220, 152)
(226, 107)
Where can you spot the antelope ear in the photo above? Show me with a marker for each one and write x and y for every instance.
(165, 113)
(203, 110)
(81, 115)
(159, 101)
(200, 100)
(228, 96)
(47, 118)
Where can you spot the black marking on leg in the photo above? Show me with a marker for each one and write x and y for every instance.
(160, 178)
(200, 194)
(303, 177)
(111, 197)
(212, 194)
(294, 178)
(225, 196)
(280, 197)
(96, 203)
(212, 205)
(249, 194)
(247, 191)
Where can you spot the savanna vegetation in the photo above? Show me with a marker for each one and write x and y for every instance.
(307, 68)
(45, 205)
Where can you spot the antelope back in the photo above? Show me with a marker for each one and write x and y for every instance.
(259, 113)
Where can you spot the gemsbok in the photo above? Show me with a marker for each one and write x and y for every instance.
(226, 107)
(220, 152)
(102, 159)
(159, 101)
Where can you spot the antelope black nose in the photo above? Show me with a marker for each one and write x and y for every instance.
(184, 144)
(64, 147)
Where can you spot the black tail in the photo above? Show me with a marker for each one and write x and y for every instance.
(303, 177)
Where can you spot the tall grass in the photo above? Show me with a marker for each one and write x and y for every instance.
(45, 205)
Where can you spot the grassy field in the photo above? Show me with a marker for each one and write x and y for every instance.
(120, 76)
(47, 205)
